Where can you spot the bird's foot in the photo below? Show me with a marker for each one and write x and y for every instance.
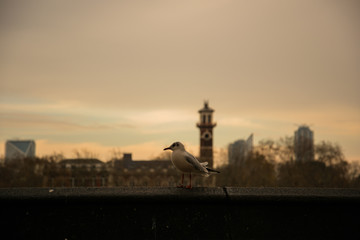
(180, 186)
(189, 187)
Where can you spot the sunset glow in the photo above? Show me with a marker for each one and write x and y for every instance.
(131, 75)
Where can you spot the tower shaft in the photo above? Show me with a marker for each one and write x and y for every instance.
(206, 126)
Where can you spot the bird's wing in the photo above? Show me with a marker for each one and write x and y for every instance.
(204, 164)
(195, 163)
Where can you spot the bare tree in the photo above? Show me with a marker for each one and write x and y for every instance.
(165, 155)
(281, 150)
(329, 153)
(116, 153)
(255, 171)
(85, 153)
(222, 155)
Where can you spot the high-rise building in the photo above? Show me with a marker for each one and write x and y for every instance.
(240, 150)
(19, 149)
(304, 144)
(206, 126)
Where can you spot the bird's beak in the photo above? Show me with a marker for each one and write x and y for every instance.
(168, 148)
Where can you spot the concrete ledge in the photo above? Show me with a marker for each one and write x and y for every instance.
(172, 213)
(116, 195)
(296, 195)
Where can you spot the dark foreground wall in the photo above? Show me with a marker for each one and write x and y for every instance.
(172, 213)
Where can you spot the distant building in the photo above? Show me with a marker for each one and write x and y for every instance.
(304, 144)
(19, 149)
(82, 163)
(81, 172)
(206, 126)
(240, 150)
(148, 165)
(127, 172)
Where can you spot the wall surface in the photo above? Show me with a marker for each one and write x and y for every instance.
(173, 213)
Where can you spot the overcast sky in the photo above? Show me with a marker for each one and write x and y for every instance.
(131, 75)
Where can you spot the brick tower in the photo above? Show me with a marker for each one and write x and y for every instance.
(206, 126)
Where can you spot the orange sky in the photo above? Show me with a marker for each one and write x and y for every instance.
(133, 74)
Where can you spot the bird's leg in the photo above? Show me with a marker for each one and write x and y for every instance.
(182, 181)
(189, 186)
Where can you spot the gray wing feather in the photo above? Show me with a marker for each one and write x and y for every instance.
(194, 162)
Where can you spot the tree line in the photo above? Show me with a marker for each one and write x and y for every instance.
(271, 164)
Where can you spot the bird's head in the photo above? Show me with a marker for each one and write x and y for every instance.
(175, 146)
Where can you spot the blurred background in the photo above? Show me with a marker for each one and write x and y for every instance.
(91, 92)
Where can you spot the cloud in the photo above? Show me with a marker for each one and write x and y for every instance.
(238, 122)
(332, 119)
(130, 65)
(41, 122)
(160, 116)
(58, 117)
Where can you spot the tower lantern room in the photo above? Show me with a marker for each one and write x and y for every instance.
(206, 126)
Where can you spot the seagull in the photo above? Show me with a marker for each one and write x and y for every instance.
(187, 163)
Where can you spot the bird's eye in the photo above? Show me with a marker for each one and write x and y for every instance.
(177, 144)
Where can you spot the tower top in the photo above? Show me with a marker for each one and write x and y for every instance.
(206, 108)
(304, 128)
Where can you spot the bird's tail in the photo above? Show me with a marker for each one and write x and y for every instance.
(212, 170)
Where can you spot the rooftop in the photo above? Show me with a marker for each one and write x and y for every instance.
(206, 108)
